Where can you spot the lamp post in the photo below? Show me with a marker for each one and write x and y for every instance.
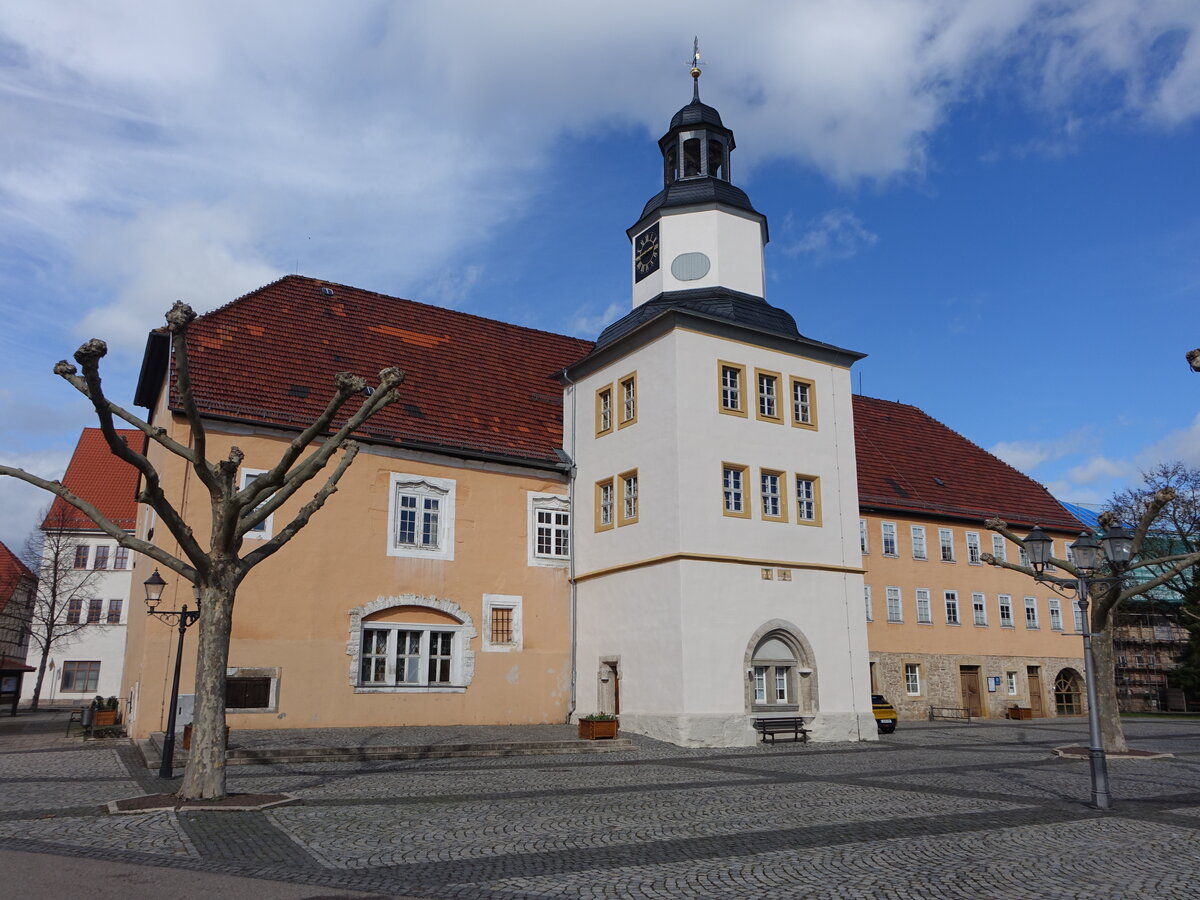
(183, 619)
(1116, 545)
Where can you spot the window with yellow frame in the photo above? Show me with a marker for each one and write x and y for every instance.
(630, 502)
(804, 403)
(604, 410)
(731, 388)
(627, 400)
(605, 505)
(808, 499)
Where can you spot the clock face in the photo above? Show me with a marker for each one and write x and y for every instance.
(645, 253)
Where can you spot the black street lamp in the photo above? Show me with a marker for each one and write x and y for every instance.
(183, 619)
(1115, 545)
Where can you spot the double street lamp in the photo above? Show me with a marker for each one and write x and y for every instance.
(183, 619)
(1115, 546)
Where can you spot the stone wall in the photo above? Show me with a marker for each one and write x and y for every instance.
(941, 683)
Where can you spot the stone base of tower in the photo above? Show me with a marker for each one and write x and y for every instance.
(717, 730)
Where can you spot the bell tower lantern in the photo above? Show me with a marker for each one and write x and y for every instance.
(700, 231)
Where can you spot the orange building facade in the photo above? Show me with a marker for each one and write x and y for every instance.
(946, 630)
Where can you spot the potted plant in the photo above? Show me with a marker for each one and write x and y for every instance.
(106, 712)
(597, 726)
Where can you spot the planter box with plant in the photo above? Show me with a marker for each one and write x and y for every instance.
(597, 727)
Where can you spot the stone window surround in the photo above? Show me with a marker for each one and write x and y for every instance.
(806, 697)
(449, 607)
(272, 672)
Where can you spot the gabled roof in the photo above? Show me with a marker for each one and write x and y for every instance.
(908, 462)
(95, 475)
(12, 571)
(472, 385)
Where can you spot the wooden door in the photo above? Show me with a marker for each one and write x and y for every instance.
(972, 701)
(1035, 692)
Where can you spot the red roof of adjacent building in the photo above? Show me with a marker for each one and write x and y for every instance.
(911, 463)
(12, 570)
(471, 384)
(104, 480)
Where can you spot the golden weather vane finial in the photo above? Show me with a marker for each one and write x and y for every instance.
(696, 69)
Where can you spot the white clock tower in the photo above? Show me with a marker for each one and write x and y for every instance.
(717, 571)
(700, 230)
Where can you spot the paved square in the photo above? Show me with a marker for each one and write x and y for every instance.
(935, 810)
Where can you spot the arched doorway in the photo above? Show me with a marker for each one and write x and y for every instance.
(780, 674)
(1068, 693)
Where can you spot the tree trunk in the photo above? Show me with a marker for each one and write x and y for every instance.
(204, 776)
(37, 687)
(1111, 733)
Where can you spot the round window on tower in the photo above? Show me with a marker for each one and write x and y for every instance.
(690, 266)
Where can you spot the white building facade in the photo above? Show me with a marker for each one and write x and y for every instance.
(718, 576)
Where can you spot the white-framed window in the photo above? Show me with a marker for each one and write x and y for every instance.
(887, 531)
(629, 497)
(863, 543)
(760, 684)
(1055, 614)
(912, 679)
(629, 409)
(502, 623)
(1070, 557)
(924, 607)
(946, 543)
(733, 484)
(421, 516)
(1004, 601)
(951, 598)
(549, 529)
(1050, 567)
(919, 550)
(606, 495)
(264, 529)
(1011, 679)
(867, 601)
(604, 410)
(808, 504)
(771, 484)
(409, 656)
(1031, 612)
(1023, 557)
(768, 395)
(731, 388)
(804, 413)
(999, 550)
(974, 551)
(979, 608)
(895, 609)
(1077, 615)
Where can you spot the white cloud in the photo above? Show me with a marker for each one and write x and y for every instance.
(21, 504)
(1028, 455)
(1100, 469)
(834, 235)
(372, 143)
(589, 326)
(1177, 446)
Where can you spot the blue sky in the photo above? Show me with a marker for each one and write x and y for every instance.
(997, 202)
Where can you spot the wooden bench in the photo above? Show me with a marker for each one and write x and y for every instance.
(785, 725)
(950, 712)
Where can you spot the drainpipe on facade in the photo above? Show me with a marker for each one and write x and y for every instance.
(571, 537)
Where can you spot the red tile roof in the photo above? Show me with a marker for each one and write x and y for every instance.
(472, 384)
(908, 462)
(100, 478)
(12, 570)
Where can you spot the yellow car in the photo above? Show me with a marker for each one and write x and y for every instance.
(885, 714)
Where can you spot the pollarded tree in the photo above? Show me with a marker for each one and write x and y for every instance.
(218, 568)
(1149, 568)
(63, 589)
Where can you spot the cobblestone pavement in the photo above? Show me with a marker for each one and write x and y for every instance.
(935, 810)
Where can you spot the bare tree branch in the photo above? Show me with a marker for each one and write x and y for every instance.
(89, 356)
(385, 395)
(179, 317)
(103, 523)
(330, 487)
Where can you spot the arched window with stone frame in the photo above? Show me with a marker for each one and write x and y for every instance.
(780, 671)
